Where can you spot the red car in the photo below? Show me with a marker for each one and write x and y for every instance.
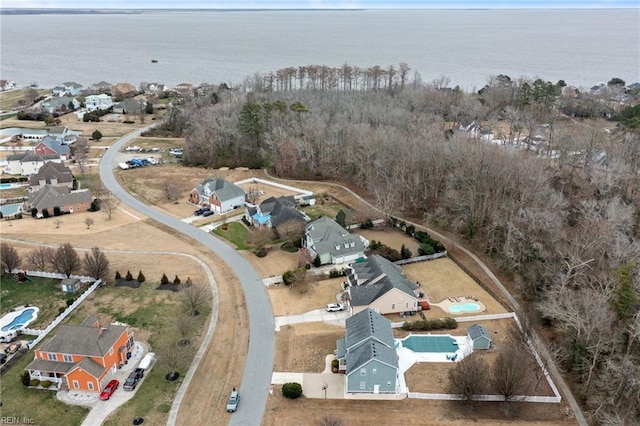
(109, 389)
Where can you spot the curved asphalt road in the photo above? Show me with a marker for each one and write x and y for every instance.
(259, 365)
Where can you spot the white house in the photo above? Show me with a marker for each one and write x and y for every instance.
(68, 87)
(95, 102)
(28, 163)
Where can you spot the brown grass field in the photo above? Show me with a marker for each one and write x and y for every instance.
(302, 348)
(297, 300)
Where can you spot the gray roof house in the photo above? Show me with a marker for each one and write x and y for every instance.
(332, 243)
(220, 195)
(50, 197)
(381, 285)
(50, 145)
(51, 173)
(28, 163)
(274, 212)
(367, 356)
(479, 337)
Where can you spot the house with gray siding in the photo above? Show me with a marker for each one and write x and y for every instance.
(332, 243)
(367, 355)
(220, 195)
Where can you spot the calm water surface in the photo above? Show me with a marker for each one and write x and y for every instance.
(580, 46)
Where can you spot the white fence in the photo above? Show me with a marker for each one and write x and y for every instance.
(302, 192)
(451, 397)
(43, 333)
(421, 258)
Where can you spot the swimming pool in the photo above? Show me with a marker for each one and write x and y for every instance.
(430, 343)
(463, 308)
(5, 185)
(18, 319)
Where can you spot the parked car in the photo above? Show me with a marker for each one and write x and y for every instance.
(198, 212)
(109, 389)
(232, 403)
(207, 213)
(133, 379)
(335, 307)
(3, 358)
(13, 348)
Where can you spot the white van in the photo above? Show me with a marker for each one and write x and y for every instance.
(147, 360)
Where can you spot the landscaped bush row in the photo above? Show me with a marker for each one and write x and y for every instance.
(13, 179)
(427, 244)
(433, 324)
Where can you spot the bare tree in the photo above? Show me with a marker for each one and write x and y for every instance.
(468, 377)
(108, 204)
(81, 151)
(506, 375)
(331, 420)
(171, 190)
(291, 230)
(10, 258)
(261, 237)
(88, 221)
(96, 264)
(185, 327)
(40, 258)
(65, 260)
(193, 297)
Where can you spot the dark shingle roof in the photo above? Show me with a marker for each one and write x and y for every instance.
(476, 331)
(32, 156)
(52, 170)
(376, 276)
(223, 189)
(82, 340)
(58, 196)
(369, 351)
(56, 146)
(49, 366)
(281, 210)
(368, 325)
(327, 234)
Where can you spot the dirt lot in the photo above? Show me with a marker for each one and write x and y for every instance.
(276, 262)
(291, 301)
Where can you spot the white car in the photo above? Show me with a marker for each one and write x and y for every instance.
(335, 307)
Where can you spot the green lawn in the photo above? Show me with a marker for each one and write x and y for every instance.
(329, 208)
(7, 116)
(40, 406)
(236, 233)
(44, 293)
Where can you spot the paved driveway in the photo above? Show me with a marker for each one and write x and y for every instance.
(257, 373)
(317, 315)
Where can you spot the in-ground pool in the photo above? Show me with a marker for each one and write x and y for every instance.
(430, 343)
(5, 185)
(18, 319)
(463, 308)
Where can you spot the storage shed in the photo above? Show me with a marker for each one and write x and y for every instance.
(479, 337)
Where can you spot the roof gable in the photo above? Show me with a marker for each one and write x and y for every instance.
(329, 237)
(223, 189)
(371, 352)
(377, 276)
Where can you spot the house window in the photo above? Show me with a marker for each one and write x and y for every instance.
(52, 357)
(67, 358)
(363, 385)
(76, 384)
(352, 244)
(374, 371)
(90, 385)
(111, 351)
(393, 306)
(337, 248)
(389, 384)
(363, 371)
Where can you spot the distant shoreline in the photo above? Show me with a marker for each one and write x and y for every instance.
(70, 11)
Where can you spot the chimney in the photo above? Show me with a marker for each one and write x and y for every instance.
(102, 330)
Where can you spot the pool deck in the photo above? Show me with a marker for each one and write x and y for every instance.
(10, 316)
(445, 304)
(407, 357)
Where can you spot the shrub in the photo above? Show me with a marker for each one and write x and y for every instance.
(334, 273)
(405, 253)
(317, 262)
(366, 224)
(432, 324)
(45, 384)
(176, 280)
(141, 278)
(96, 135)
(70, 301)
(57, 211)
(25, 378)
(34, 383)
(164, 279)
(374, 245)
(118, 276)
(45, 213)
(61, 309)
(188, 283)
(292, 390)
(128, 122)
(129, 276)
(425, 249)
(34, 212)
(261, 251)
(335, 365)
(286, 277)
(409, 230)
